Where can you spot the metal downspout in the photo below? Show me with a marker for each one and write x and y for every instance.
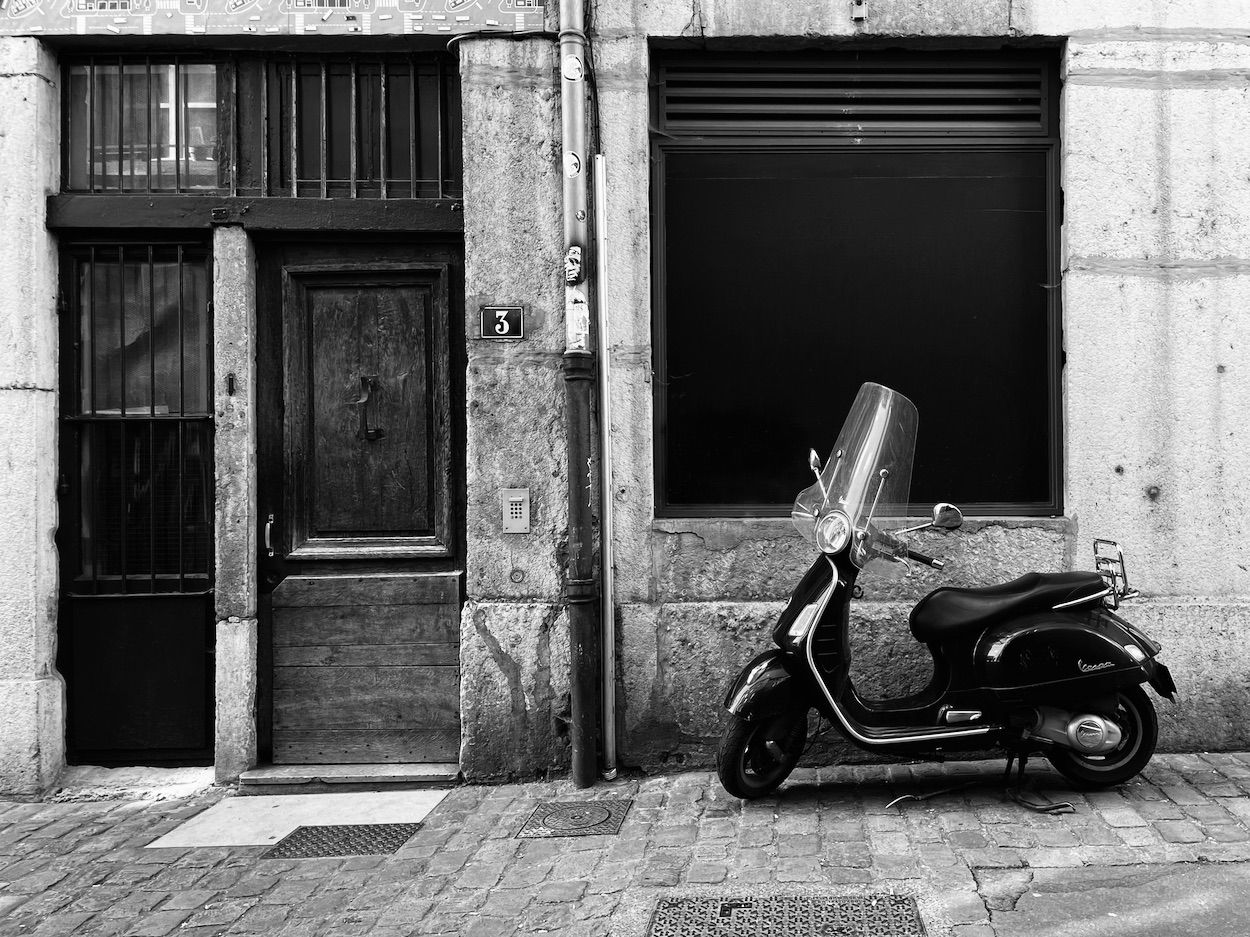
(606, 484)
(579, 583)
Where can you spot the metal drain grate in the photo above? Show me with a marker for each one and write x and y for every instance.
(820, 916)
(321, 842)
(576, 818)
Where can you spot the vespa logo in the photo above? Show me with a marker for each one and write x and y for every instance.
(1090, 668)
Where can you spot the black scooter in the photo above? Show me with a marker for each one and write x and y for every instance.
(1042, 664)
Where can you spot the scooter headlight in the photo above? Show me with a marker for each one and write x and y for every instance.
(833, 532)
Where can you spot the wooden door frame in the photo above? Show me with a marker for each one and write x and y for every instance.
(445, 249)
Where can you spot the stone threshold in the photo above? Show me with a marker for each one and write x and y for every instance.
(324, 779)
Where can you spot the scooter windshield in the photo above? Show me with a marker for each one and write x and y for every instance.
(868, 474)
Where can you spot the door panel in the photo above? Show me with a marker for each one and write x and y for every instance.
(366, 669)
(367, 415)
(361, 599)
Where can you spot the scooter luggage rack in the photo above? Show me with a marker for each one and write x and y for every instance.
(1110, 566)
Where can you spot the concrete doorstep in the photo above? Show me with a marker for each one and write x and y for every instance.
(1168, 853)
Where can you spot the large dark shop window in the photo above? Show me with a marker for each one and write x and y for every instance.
(825, 220)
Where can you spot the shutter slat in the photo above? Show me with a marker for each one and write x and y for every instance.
(832, 95)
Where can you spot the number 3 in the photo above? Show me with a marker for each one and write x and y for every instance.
(501, 322)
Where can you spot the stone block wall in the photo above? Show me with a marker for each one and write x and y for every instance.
(1156, 174)
(32, 694)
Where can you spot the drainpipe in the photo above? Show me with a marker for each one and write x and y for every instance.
(579, 583)
(606, 483)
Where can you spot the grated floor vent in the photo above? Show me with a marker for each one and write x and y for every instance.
(820, 916)
(576, 818)
(321, 842)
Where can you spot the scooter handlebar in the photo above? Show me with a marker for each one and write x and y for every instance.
(922, 558)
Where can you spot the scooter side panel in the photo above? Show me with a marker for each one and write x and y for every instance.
(1053, 655)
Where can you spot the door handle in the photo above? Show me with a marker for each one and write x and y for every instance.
(269, 536)
(367, 386)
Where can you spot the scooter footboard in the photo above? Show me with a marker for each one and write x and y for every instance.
(765, 686)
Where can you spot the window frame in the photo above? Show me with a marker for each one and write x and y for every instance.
(1047, 142)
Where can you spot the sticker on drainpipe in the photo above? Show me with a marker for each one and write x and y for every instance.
(576, 320)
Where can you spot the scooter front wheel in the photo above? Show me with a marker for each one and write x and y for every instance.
(1135, 715)
(756, 755)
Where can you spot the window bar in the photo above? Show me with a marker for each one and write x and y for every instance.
(121, 117)
(182, 410)
(147, 150)
(91, 128)
(234, 126)
(382, 136)
(92, 432)
(412, 126)
(442, 115)
(152, 420)
(294, 141)
(123, 525)
(353, 135)
(324, 186)
(175, 105)
(264, 130)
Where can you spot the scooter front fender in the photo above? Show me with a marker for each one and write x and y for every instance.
(764, 686)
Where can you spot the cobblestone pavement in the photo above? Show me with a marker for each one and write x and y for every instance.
(80, 868)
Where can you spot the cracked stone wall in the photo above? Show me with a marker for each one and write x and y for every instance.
(1156, 397)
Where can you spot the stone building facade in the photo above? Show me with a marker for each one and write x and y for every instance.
(1154, 275)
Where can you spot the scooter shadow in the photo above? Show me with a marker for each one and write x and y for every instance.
(878, 788)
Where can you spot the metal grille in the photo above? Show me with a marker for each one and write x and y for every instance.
(140, 124)
(576, 818)
(320, 842)
(835, 916)
(321, 126)
(859, 95)
(138, 420)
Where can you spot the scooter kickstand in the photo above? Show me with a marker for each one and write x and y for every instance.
(1016, 793)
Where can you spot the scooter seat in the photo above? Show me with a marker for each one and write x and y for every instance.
(945, 613)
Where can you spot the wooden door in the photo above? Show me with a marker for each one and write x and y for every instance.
(358, 502)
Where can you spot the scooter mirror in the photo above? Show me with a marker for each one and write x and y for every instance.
(947, 516)
(813, 461)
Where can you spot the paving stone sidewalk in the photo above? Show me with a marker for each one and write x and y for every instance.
(967, 856)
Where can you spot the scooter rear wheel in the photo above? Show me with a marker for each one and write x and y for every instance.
(1135, 715)
(756, 755)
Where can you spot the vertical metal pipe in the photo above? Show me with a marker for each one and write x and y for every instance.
(325, 147)
(413, 113)
(234, 126)
(91, 127)
(93, 434)
(176, 103)
(182, 412)
(121, 118)
(124, 500)
(147, 147)
(579, 585)
(441, 104)
(294, 141)
(354, 135)
(606, 484)
(383, 139)
(264, 129)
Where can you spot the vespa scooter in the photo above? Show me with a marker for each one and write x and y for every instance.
(1039, 665)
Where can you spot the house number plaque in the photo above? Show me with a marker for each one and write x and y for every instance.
(503, 322)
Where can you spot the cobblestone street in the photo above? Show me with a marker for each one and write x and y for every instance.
(967, 856)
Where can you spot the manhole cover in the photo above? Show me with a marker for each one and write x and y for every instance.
(320, 842)
(819, 916)
(576, 818)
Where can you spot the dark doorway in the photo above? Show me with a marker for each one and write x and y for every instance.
(359, 378)
(136, 503)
